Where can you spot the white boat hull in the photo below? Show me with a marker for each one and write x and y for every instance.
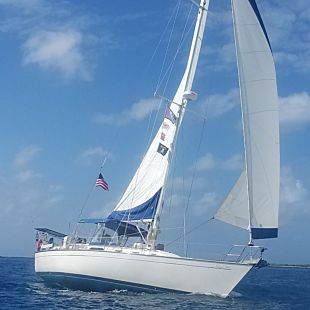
(102, 271)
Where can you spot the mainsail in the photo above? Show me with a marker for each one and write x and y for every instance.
(145, 191)
(257, 190)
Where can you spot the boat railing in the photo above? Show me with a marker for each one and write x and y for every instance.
(244, 253)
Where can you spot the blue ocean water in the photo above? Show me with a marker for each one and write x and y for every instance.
(266, 288)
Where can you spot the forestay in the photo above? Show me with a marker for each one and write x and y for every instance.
(258, 189)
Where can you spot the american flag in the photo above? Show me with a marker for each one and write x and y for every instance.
(102, 183)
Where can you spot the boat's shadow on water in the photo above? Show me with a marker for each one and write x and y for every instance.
(124, 299)
(268, 288)
(128, 300)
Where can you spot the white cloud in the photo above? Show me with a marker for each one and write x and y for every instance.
(292, 190)
(34, 190)
(57, 50)
(26, 155)
(138, 111)
(206, 162)
(224, 55)
(143, 108)
(218, 104)
(55, 37)
(287, 25)
(209, 162)
(93, 155)
(26, 176)
(236, 162)
(295, 110)
(206, 202)
(294, 198)
(21, 3)
(184, 183)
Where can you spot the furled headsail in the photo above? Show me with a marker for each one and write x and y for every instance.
(257, 190)
(142, 196)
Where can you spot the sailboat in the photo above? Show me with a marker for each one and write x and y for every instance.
(108, 262)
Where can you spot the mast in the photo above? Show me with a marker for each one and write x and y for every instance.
(187, 95)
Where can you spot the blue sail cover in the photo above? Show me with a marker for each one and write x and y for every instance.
(145, 211)
(122, 228)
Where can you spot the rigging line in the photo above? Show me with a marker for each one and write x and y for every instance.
(196, 113)
(179, 47)
(193, 178)
(175, 55)
(191, 230)
(168, 45)
(160, 41)
(183, 189)
(171, 228)
(145, 152)
(176, 9)
(94, 183)
(169, 70)
(172, 184)
(83, 207)
(154, 123)
(150, 116)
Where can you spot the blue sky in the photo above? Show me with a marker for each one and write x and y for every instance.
(77, 81)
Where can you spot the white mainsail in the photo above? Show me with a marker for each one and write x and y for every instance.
(260, 112)
(145, 190)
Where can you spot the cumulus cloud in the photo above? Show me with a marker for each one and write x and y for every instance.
(93, 155)
(206, 202)
(295, 110)
(225, 56)
(206, 162)
(21, 3)
(138, 111)
(55, 38)
(288, 22)
(57, 50)
(219, 104)
(26, 155)
(209, 162)
(235, 162)
(26, 176)
(294, 197)
(292, 190)
(33, 189)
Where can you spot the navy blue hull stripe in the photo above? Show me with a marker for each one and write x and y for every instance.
(89, 283)
(259, 18)
(264, 233)
(144, 211)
